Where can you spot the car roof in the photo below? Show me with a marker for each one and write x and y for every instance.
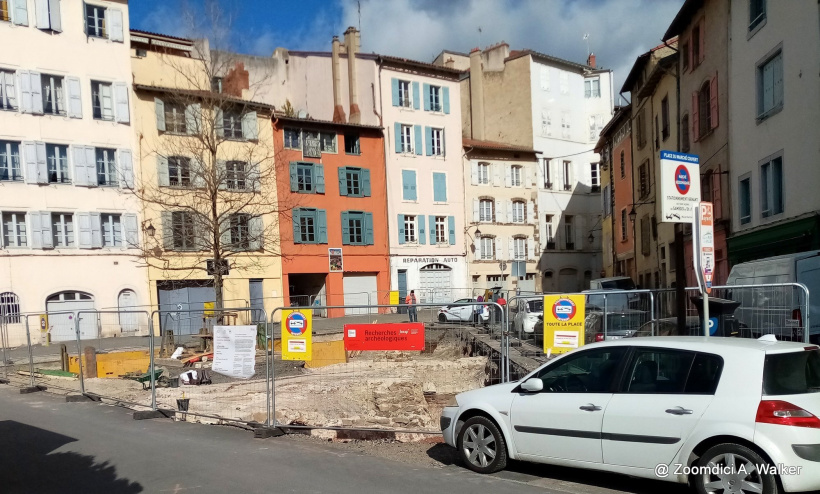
(712, 344)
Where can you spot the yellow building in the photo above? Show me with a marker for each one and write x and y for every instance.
(206, 181)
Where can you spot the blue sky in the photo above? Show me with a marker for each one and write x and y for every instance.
(619, 30)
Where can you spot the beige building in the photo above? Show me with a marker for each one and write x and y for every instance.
(69, 224)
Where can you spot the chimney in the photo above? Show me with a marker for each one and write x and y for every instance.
(496, 55)
(450, 63)
(591, 60)
(338, 108)
(476, 94)
(352, 45)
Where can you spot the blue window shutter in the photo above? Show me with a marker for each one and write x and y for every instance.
(342, 181)
(319, 175)
(366, 182)
(428, 139)
(321, 233)
(368, 228)
(426, 97)
(451, 226)
(296, 230)
(395, 84)
(439, 187)
(408, 179)
(422, 234)
(445, 96)
(397, 131)
(294, 181)
(417, 129)
(416, 95)
(432, 222)
(345, 228)
(401, 229)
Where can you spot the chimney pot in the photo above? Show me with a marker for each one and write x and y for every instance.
(591, 60)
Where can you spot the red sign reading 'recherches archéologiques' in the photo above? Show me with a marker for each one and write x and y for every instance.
(384, 337)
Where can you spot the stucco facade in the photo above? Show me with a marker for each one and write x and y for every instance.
(67, 139)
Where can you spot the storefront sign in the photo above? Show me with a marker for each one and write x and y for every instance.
(680, 186)
(563, 322)
(297, 335)
(430, 260)
(384, 337)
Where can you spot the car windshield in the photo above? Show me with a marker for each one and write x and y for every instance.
(792, 373)
(536, 305)
(623, 284)
(623, 322)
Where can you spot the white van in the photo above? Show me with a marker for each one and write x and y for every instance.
(778, 311)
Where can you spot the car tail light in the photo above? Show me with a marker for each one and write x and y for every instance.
(599, 337)
(784, 413)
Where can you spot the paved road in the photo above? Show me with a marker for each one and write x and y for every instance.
(51, 446)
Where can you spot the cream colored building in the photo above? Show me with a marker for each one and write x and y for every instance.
(66, 164)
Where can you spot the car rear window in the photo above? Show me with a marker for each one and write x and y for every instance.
(625, 284)
(536, 305)
(792, 373)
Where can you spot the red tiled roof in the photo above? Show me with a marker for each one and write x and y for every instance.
(416, 63)
(308, 121)
(149, 33)
(498, 146)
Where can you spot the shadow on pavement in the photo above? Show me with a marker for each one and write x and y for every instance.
(27, 464)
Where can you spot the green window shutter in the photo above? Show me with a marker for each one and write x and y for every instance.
(426, 97)
(432, 222)
(439, 187)
(395, 86)
(416, 95)
(365, 182)
(368, 228)
(345, 228)
(294, 180)
(297, 238)
(319, 176)
(321, 231)
(342, 181)
(451, 226)
(397, 132)
(428, 140)
(417, 129)
(422, 233)
(445, 96)
(401, 229)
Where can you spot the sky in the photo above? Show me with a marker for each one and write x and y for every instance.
(619, 30)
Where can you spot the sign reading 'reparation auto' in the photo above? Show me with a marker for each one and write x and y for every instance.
(384, 337)
(680, 186)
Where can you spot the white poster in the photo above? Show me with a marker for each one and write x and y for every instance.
(235, 351)
(680, 186)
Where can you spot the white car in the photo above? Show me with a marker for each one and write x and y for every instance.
(527, 314)
(464, 313)
(728, 415)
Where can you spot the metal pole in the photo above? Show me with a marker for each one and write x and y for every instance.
(806, 326)
(606, 308)
(652, 311)
(5, 338)
(705, 313)
(30, 356)
(268, 368)
(151, 363)
(79, 351)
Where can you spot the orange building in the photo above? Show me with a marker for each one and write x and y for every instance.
(333, 227)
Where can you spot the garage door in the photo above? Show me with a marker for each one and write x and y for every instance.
(63, 325)
(359, 290)
(435, 285)
(179, 300)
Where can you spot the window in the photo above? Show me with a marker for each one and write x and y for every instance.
(606, 198)
(62, 229)
(95, 21)
(770, 86)
(106, 167)
(111, 230)
(175, 118)
(745, 200)
(519, 211)
(704, 109)
(240, 231)
(183, 231)
(566, 131)
(404, 94)
(487, 249)
(53, 94)
(435, 98)
(8, 91)
(353, 228)
(293, 138)
(659, 371)
(216, 84)
(102, 100)
(587, 371)
(665, 118)
(410, 229)
(771, 187)
(437, 142)
(624, 231)
(231, 125)
(10, 161)
(569, 234)
(516, 172)
(236, 175)
(14, 230)
(307, 178)
(595, 176)
(697, 45)
(486, 210)
(327, 141)
(9, 302)
(645, 236)
(793, 373)
(592, 88)
(406, 138)
(441, 230)
(567, 175)
(519, 249)
(640, 123)
(484, 173)
(179, 171)
(623, 167)
(685, 55)
(757, 13)
(57, 157)
(657, 134)
(547, 174)
(309, 226)
(643, 172)
(550, 237)
(684, 134)
(354, 182)
(352, 144)
(5, 12)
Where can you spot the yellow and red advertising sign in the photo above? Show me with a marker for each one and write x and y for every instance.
(563, 322)
(297, 335)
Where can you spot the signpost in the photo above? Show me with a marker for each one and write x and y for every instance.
(563, 322)
(384, 337)
(297, 336)
(680, 186)
(704, 255)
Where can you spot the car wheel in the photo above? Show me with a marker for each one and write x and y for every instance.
(442, 318)
(481, 446)
(733, 469)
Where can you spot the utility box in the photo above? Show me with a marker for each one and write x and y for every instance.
(722, 321)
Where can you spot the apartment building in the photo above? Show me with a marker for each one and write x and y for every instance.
(70, 228)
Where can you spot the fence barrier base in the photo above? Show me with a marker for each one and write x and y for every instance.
(80, 398)
(3, 381)
(32, 389)
(153, 414)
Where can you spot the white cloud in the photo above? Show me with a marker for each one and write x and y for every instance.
(619, 30)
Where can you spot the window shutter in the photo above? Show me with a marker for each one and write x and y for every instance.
(20, 14)
(250, 126)
(30, 158)
(198, 171)
(702, 40)
(717, 203)
(426, 97)
(129, 226)
(42, 164)
(253, 177)
(499, 211)
(159, 110)
(342, 181)
(75, 101)
(507, 176)
(121, 102)
(439, 187)
(530, 205)
(713, 101)
(498, 248)
(322, 230)
(91, 166)
(45, 230)
(445, 99)
(530, 249)
(41, 14)
(395, 86)
(126, 168)
(162, 171)
(695, 117)
(56, 18)
(511, 249)
(80, 170)
(366, 182)
(401, 229)
(416, 95)
(422, 233)
(345, 228)
(25, 91)
(690, 54)
(222, 174)
(476, 213)
(477, 253)
(525, 176)
(193, 117)
(368, 229)
(106, 100)
(294, 179)
(84, 228)
(397, 132)
(417, 129)
(408, 178)
(510, 206)
(36, 93)
(167, 230)
(296, 226)
(219, 123)
(225, 232)
(428, 141)
(451, 228)
(203, 235)
(10, 89)
(113, 19)
(256, 228)
(34, 229)
(474, 173)
(432, 222)
(497, 170)
(319, 172)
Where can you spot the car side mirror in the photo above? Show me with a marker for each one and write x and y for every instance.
(532, 385)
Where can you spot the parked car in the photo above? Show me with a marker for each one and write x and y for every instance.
(668, 326)
(464, 313)
(526, 314)
(618, 324)
(737, 408)
(613, 283)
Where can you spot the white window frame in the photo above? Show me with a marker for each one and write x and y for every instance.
(98, 98)
(8, 87)
(595, 174)
(519, 211)
(410, 229)
(183, 224)
(516, 175)
(100, 28)
(774, 62)
(437, 142)
(405, 94)
(406, 139)
(112, 230)
(436, 104)
(15, 233)
(486, 210)
(288, 143)
(232, 125)
(62, 229)
(10, 158)
(441, 230)
(236, 175)
(240, 233)
(592, 87)
(488, 248)
(177, 168)
(57, 157)
(484, 170)
(771, 200)
(106, 167)
(549, 234)
(51, 86)
(519, 252)
(175, 120)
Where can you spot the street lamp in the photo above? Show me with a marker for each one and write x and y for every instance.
(633, 214)
(591, 238)
(150, 230)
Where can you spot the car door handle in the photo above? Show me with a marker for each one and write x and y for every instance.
(590, 408)
(679, 411)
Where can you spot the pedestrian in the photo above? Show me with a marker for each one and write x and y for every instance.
(479, 298)
(410, 301)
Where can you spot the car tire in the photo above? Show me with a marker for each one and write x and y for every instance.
(442, 318)
(481, 445)
(765, 483)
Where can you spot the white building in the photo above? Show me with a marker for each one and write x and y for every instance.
(65, 157)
